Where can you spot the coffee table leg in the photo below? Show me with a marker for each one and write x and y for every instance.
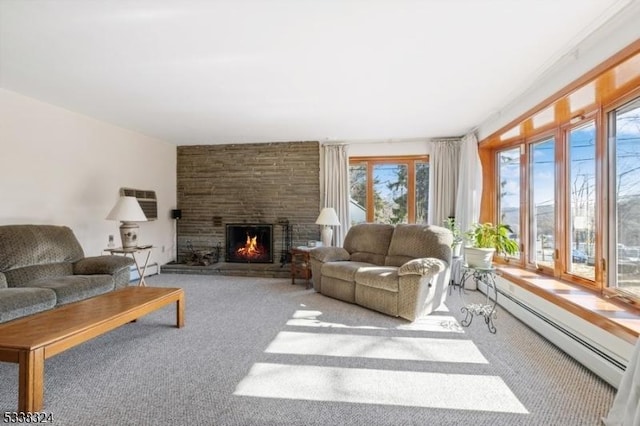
(180, 311)
(31, 380)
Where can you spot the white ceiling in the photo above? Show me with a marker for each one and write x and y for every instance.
(207, 72)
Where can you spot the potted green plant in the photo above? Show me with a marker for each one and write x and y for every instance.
(484, 240)
(456, 245)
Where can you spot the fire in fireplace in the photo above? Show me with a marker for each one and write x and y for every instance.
(249, 243)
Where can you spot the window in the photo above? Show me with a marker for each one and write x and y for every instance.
(358, 192)
(582, 200)
(389, 190)
(567, 180)
(509, 195)
(624, 132)
(543, 203)
(422, 191)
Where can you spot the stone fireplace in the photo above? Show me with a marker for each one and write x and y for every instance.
(249, 243)
(247, 185)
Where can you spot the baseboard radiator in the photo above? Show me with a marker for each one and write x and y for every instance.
(601, 352)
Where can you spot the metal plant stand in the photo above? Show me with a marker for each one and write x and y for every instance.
(487, 309)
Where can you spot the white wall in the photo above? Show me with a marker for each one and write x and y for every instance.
(619, 32)
(387, 148)
(59, 167)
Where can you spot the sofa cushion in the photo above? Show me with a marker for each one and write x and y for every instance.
(17, 277)
(19, 302)
(417, 241)
(3, 281)
(72, 288)
(329, 254)
(368, 242)
(25, 245)
(102, 265)
(382, 277)
(345, 271)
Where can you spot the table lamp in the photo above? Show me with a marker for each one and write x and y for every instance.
(328, 218)
(128, 210)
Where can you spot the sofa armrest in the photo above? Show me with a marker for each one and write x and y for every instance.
(329, 254)
(423, 266)
(107, 264)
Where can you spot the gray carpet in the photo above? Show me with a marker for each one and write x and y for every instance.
(259, 351)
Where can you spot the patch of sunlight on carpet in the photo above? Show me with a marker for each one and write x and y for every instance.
(371, 386)
(383, 347)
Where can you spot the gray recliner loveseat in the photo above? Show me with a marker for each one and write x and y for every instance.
(43, 266)
(400, 270)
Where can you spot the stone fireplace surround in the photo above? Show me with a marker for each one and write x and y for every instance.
(269, 183)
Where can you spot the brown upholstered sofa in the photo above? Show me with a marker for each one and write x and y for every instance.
(400, 270)
(43, 266)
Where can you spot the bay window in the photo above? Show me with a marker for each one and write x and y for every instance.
(566, 179)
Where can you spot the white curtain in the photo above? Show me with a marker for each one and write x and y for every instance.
(334, 187)
(470, 184)
(443, 179)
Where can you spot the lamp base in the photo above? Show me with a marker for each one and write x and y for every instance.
(327, 235)
(129, 234)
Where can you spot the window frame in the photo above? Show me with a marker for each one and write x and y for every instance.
(564, 163)
(543, 137)
(517, 259)
(609, 221)
(600, 83)
(410, 161)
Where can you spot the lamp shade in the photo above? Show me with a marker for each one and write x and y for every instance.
(127, 209)
(328, 216)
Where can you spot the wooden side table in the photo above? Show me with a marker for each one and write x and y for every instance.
(300, 266)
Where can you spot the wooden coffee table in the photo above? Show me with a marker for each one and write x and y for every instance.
(30, 340)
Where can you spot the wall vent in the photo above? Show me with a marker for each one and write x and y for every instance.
(146, 199)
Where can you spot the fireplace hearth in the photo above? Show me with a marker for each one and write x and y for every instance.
(249, 243)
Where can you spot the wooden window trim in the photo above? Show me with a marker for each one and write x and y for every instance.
(605, 94)
(410, 161)
(607, 98)
(609, 313)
